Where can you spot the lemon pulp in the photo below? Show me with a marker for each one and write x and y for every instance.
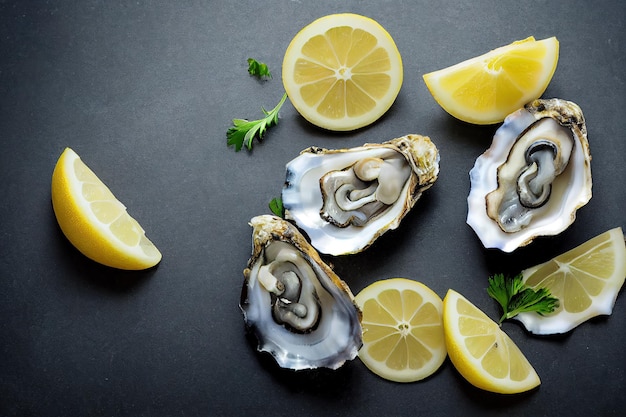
(481, 351)
(586, 280)
(342, 71)
(402, 329)
(487, 88)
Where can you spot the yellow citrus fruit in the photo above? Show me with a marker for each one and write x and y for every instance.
(402, 329)
(342, 71)
(586, 280)
(481, 351)
(94, 221)
(487, 88)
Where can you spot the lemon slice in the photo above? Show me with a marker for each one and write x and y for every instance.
(94, 221)
(487, 88)
(342, 72)
(481, 351)
(402, 329)
(586, 280)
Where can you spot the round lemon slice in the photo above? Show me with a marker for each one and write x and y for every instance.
(481, 351)
(487, 88)
(586, 280)
(402, 329)
(94, 221)
(342, 71)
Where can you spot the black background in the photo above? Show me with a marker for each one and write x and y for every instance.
(144, 91)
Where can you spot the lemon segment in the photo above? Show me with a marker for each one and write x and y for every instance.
(94, 221)
(586, 280)
(487, 88)
(342, 71)
(480, 350)
(402, 329)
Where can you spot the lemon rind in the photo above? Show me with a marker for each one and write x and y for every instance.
(78, 223)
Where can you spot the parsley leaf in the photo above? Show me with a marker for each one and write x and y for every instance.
(515, 297)
(276, 206)
(243, 132)
(258, 69)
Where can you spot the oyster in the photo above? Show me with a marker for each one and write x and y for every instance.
(299, 310)
(533, 178)
(344, 199)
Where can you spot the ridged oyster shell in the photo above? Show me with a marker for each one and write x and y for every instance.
(533, 178)
(345, 199)
(301, 312)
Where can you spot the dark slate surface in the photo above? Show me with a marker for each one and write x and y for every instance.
(145, 90)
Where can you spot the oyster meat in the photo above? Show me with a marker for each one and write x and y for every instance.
(301, 312)
(533, 178)
(346, 198)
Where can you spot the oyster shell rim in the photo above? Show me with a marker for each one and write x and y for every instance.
(288, 233)
(567, 114)
(324, 236)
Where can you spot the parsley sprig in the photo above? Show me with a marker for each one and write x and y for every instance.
(243, 131)
(258, 69)
(515, 297)
(276, 206)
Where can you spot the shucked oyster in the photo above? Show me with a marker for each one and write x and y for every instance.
(299, 310)
(344, 199)
(533, 178)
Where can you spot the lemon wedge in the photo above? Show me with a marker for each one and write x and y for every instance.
(402, 329)
(481, 351)
(342, 71)
(487, 88)
(586, 280)
(94, 221)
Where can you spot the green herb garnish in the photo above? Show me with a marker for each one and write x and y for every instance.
(276, 206)
(258, 69)
(243, 132)
(515, 297)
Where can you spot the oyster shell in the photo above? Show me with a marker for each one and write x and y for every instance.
(344, 199)
(533, 178)
(298, 308)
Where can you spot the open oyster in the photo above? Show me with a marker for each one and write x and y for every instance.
(344, 199)
(299, 310)
(533, 178)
